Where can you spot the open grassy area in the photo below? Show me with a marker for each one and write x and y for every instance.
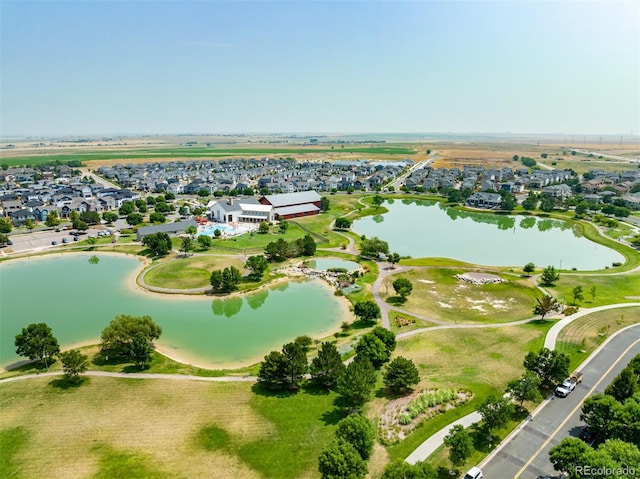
(150, 428)
(610, 289)
(438, 294)
(190, 272)
(481, 360)
(580, 338)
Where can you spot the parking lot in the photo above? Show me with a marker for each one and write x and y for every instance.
(42, 240)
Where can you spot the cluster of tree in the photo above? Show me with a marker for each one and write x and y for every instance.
(529, 162)
(5, 225)
(400, 469)
(545, 305)
(402, 287)
(38, 343)
(158, 243)
(549, 276)
(284, 370)
(258, 265)
(367, 311)
(550, 367)
(342, 223)
(347, 454)
(325, 204)
(281, 249)
(456, 196)
(130, 338)
(373, 247)
(226, 280)
(52, 220)
(613, 419)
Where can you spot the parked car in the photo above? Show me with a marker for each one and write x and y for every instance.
(586, 435)
(577, 377)
(75, 238)
(54, 243)
(565, 388)
(65, 240)
(474, 473)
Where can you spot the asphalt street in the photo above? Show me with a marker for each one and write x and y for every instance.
(526, 455)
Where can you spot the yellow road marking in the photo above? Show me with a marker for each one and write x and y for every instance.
(528, 463)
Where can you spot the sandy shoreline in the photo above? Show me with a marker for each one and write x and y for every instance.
(344, 311)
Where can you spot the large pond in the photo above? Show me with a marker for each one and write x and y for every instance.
(428, 229)
(78, 299)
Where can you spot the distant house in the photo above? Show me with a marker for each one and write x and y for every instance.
(172, 229)
(293, 205)
(557, 191)
(484, 200)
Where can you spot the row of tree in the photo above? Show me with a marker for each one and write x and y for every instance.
(281, 249)
(125, 338)
(613, 419)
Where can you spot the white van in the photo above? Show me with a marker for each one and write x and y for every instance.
(474, 473)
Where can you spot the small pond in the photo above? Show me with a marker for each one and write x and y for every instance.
(78, 299)
(428, 229)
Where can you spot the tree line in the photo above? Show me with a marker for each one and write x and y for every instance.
(126, 338)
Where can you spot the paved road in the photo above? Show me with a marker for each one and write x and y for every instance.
(525, 454)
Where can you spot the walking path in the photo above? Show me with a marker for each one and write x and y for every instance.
(430, 445)
(172, 377)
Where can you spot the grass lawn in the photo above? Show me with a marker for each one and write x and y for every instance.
(438, 294)
(149, 428)
(580, 338)
(190, 272)
(481, 360)
(610, 289)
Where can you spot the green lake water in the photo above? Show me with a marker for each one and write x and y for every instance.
(428, 229)
(78, 300)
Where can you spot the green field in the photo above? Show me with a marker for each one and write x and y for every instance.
(480, 360)
(150, 428)
(610, 289)
(191, 272)
(584, 335)
(438, 294)
(199, 152)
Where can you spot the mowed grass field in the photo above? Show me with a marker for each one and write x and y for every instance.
(584, 335)
(438, 294)
(610, 289)
(190, 272)
(134, 428)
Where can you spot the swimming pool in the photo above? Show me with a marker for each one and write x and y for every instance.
(225, 228)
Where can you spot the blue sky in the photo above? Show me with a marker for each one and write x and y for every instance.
(125, 67)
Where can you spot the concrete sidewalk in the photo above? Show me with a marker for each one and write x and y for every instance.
(429, 446)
